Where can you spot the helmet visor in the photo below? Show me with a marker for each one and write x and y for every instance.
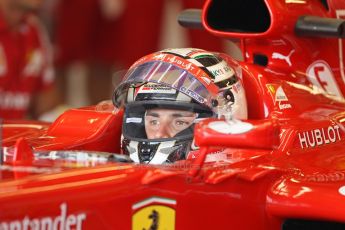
(165, 74)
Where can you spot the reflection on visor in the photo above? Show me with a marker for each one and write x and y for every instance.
(169, 75)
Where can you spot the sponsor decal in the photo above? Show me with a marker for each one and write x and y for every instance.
(217, 72)
(233, 127)
(318, 137)
(193, 95)
(134, 120)
(320, 74)
(221, 71)
(323, 177)
(14, 100)
(156, 88)
(181, 62)
(62, 221)
(279, 96)
(27, 169)
(342, 190)
(154, 213)
(286, 58)
(216, 156)
(223, 74)
(159, 56)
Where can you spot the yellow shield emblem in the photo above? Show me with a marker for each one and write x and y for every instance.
(154, 217)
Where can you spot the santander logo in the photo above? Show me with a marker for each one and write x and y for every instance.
(61, 222)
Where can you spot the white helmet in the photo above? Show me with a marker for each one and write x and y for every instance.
(181, 86)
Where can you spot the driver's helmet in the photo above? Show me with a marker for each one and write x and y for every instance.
(166, 93)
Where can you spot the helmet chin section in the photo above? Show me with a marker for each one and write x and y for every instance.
(155, 152)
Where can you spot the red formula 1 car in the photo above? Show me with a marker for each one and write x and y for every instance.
(285, 170)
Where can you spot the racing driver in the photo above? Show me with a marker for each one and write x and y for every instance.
(166, 93)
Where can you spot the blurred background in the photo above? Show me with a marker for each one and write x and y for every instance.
(93, 40)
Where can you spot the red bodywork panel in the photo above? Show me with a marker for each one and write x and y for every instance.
(285, 163)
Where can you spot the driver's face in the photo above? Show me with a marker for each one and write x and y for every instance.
(166, 123)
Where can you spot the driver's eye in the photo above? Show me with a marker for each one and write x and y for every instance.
(154, 122)
(181, 123)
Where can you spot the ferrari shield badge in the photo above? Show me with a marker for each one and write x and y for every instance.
(154, 213)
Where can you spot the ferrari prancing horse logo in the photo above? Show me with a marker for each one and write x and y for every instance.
(154, 217)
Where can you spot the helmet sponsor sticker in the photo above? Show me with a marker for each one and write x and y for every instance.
(62, 221)
(193, 94)
(134, 120)
(154, 213)
(156, 88)
(221, 71)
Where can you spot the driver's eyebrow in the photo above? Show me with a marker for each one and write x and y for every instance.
(153, 114)
(182, 115)
(174, 115)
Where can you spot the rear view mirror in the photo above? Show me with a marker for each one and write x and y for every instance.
(255, 134)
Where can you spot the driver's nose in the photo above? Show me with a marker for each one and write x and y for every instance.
(162, 132)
